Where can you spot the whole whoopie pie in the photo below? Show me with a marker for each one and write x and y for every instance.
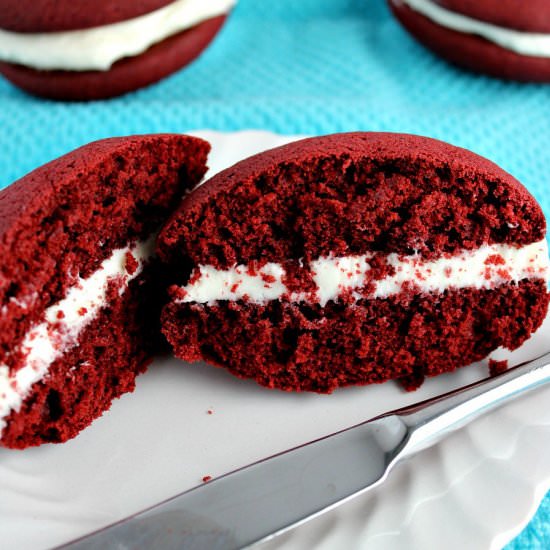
(82, 50)
(503, 38)
(352, 259)
(79, 285)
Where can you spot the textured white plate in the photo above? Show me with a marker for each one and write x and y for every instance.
(477, 489)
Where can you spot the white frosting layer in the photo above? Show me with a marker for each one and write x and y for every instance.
(63, 322)
(96, 49)
(486, 267)
(521, 42)
(238, 283)
(333, 275)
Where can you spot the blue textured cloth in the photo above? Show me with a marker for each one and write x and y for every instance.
(308, 67)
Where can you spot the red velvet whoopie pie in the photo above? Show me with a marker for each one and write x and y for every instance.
(80, 288)
(503, 38)
(352, 259)
(81, 50)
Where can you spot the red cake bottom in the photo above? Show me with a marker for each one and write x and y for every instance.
(112, 350)
(298, 347)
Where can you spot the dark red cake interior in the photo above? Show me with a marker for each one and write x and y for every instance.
(383, 192)
(347, 195)
(314, 348)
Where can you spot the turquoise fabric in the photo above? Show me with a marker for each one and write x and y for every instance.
(308, 67)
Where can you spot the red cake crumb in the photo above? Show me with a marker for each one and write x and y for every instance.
(495, 259)
(379, 268)
(412, 382)
(497, 367)
(178, 293)
(206, 479)
(130, 263)
(195, 276)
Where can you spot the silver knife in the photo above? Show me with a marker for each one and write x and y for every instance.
(267, 498)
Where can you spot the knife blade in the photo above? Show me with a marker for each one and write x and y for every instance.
(265, 499)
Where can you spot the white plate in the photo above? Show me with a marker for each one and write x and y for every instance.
(477, 489)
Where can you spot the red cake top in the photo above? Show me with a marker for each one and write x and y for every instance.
(34, 16)
(351, 194)
(532, 16)
(63, 219)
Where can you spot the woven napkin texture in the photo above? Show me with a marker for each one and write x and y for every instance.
(308, 67)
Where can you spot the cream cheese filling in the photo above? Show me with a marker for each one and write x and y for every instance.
(521, 42)
(97, 48)
(63, 322)
(486, 267)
